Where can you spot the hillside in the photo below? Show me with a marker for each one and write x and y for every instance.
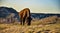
(41, 22)
(37, 26)
(8, 14)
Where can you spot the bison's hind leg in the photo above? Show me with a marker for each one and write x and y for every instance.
(24, 21)
(21, 21)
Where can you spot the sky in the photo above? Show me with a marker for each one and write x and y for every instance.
(35, 6)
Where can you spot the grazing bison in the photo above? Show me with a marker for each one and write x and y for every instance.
(25, 16)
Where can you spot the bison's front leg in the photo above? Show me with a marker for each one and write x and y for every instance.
(29, 20)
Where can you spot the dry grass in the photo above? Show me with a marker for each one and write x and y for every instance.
(36, 27)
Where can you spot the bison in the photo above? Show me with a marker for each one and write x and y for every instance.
(25, 16)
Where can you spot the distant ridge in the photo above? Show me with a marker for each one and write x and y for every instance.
(42, 15)
(8, 14)
(45, 13)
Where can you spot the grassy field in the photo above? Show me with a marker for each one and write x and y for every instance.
(45, 25)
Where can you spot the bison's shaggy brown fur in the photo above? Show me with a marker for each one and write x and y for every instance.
(25, 16)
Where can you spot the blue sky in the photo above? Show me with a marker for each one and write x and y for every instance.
(36, 6)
